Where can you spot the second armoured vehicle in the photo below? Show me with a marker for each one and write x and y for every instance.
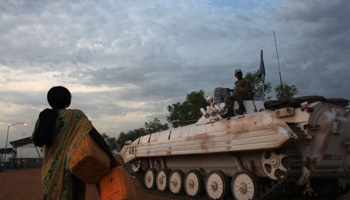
(274, 146)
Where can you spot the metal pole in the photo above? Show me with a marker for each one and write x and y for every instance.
(278, 61)
(263, 78)
(37, 151)
(8, 128)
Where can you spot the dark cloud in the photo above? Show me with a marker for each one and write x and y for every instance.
(133, 58)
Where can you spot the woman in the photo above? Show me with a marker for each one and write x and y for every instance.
(60, 130)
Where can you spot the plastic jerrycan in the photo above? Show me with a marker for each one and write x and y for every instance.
(89, 163)
(117, 185)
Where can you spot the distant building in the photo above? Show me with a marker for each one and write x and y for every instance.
(22, 149)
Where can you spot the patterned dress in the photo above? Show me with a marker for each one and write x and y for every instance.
(57, 182)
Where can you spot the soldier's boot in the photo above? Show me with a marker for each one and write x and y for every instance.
(229, 113)
(241, 109)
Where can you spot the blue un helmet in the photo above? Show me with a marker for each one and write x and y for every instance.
(238, 71)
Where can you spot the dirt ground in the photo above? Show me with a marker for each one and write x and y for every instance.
(26, 184)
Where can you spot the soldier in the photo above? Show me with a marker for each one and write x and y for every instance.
(242, 91)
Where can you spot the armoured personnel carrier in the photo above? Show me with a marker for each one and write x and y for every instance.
(275, 146)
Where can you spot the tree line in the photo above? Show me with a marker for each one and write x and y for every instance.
(188, 111)
(150, 127)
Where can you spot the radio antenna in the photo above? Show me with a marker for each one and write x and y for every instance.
(278, 61)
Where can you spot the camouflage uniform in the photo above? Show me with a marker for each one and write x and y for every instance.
(242, 91)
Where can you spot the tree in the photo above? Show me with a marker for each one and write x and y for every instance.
(288, 91)
(111, 142)
(130, 135)
(155, 126)
(257, 86)
(188, 110)
(149, 128)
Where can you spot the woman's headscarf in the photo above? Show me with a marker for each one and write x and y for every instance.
(59, 98)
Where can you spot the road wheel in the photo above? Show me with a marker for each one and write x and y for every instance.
(217, 185)
(176, 181)
(162, 180)
(194, 184)
(150, 177)
(245, 185)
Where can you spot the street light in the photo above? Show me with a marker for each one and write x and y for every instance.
(8, 130)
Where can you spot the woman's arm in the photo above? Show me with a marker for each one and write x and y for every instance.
(103, 145)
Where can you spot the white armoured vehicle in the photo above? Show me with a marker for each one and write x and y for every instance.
(275, 146)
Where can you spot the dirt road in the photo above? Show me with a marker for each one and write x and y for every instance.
(26, 184)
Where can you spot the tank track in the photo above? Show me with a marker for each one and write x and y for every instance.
(342, 191)
(269, 190)
(140, 175)
(295, 164)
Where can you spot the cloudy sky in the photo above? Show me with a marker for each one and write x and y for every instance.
(125, 61)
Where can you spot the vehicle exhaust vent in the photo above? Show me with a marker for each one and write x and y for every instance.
(298, 131)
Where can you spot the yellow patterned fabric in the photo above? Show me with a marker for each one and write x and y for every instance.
(72, 125)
